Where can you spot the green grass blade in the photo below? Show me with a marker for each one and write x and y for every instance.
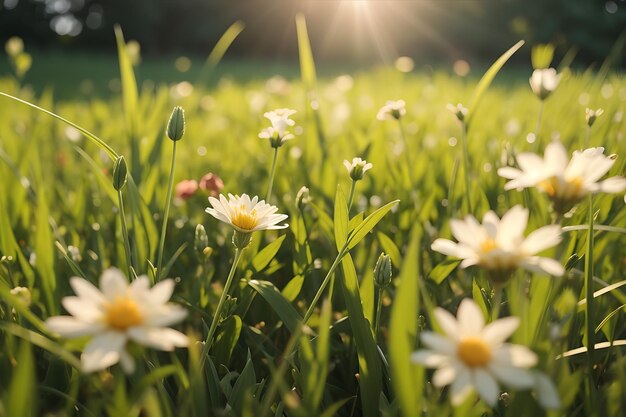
(129, 83)
(278, 303)
(486, 80)
(20, 398)
(222, 45)
(403, 334)
(265, 255)
(340, 221)
(102, 144)
(307, 64)
(370, 381)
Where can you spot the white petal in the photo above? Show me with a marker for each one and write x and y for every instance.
(469, 262)
(127, 362)
(513, 377)
(529, 162)
(512, 225)
(543, 266)
(158, 338)
(555, 156)
(447, 322)
(450, 248)
(612, 185)
(162, 291)
(428, 358)
(141, 285)
(509, 173)
(547, 393)
(69, 327)
(470, 318)
(86, 290)
(444, 375)
(103, 351)
(486, 386)
(113, 283)
(500, 330)
(84, 310)
(467, 230)
(438, 343)
(542, 238)
(166, 315)
(514, 355)
(461, 387)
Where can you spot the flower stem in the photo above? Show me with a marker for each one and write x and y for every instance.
(495, 302)
(538, 125)
(379, 307)
(334, 266)
(218, 311)
(166, 213)
(351, 195)
(125, 235)
(466, 173)
(589, 306)
(271, 184)
(587, 136)
(405, 143)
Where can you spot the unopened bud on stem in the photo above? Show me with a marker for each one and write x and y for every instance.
(176, 125)
(120, 172)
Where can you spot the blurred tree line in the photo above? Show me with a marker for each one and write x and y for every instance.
(340, 29)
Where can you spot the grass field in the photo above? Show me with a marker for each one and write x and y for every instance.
(60, 217)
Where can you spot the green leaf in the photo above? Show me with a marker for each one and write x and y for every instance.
(340, 221)
(243, 387)
(265, 256)
(370, 382)
(278, 303)
(389, 247)
(406, 381)
(293, 288)
(43, 248)
(443, 270)
(486, 80)
(334, 408)
(21, 398)
(230, 330)
(369, 223)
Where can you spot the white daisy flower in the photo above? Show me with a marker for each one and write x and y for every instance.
(565, 181)
(116, 314)
(498, 245)
(246, 215)
(473, 357)
(392, 110)
(277, 133)
(544, 81)
(357, 168)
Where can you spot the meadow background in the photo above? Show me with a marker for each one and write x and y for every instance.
(59, 212)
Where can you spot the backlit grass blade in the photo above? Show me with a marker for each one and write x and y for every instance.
(370, 371)
(307, 64)
(403, 334)
(129, 83)
(486, 80)
(20, 398)
(102, 144)
(222, 45)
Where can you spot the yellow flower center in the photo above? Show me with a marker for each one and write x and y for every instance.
(567, 190)
(488, 245)
(123, 313)
(243, 219)
(473, 351)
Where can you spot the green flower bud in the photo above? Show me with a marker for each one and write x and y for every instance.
(119, 173)
(201, 240)
(382, 271)
(176, 125)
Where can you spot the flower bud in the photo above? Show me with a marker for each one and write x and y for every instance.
(302, 198)
(382, 271)
(592, 115)
(119, 173)
(201, 240)
(176, 125)
(459, 111)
